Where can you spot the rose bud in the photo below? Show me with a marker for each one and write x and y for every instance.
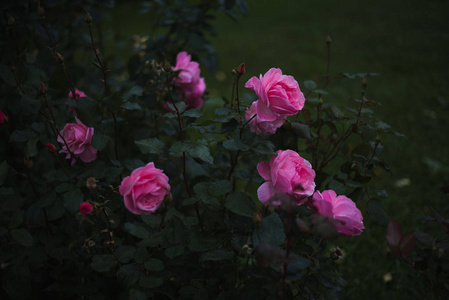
(86, 208)
(50, 148)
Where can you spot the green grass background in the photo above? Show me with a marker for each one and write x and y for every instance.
(407, 42)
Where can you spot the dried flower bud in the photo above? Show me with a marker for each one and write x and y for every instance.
(378, 138)
(42, 89)
(168, 197)
(88, 18)
(167, 67)
(91, 183)
(41, 11)
(50, 148)
(320, 101)
(328, 40)
(364, 82)
(59, 58)
(336, 253)
(11, 21)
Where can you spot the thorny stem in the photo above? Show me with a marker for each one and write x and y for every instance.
(184, 175)
(110, 234)
(320, 124)
(236, 88)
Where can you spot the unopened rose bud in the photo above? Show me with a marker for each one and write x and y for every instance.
(240, 70)
(328, 40)
(11, 21)
(50, 148)
(257, 219)
(59, 58)
(168, 197)
(167, 67)
(42, 89)
(91, 183)
(88, 18)
(86, 208)
(3, 118)
(364, 82)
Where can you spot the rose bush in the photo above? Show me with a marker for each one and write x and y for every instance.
(348, 218)
(286, 173)
(77, 137)
(145, 189)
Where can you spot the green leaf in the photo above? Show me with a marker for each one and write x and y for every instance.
(114, 102)
(376, 212)
(134, 91)
(150, 282)
(22, 236)
(154, 265)
(141, 255)
(300, 263)
(7, 75)
(22, 136)
(216, 255)
(88, 111)
(137, 294)
(310, 84)
(151, 145)
(301, 130)
(99, 141)
(194, 113)
(3, 172)
(234, 145)
(72, 200)
(103, 263)
(174, 251)
(136, 230)
(271, 231)
(31, 148)
(58, 82)
(151, 220)
(197, 149)
(214, 188)
(131, 106)
(125, 253)
(128, 275)
(322, 92)
(337, 186)
(241, 204)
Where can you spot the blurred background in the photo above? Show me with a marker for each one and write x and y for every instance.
(407, 43)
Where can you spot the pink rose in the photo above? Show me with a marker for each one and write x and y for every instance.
(260, 126)
(145, 189)
(3, 118)
(287, 173)
(349, 219)
(280, 95)
(191, 84)
(78, 137)
(86, 208)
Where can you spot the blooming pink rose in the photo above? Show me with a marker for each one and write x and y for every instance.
(259, 126)
(3, 118)
(78, 137)
(287, 173)
(349, 219)
(86, 208)
(145, 189)
(279, 93)
(191, 84)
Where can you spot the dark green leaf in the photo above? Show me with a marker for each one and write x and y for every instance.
(197, 149)
(128, 275)
(215, 255)
(141, 255)
(376, 212)
(137, 294)
(31, 147)
(151, 220)
(154, 265)
(300, 263)
(134, 91)
(22, 236)
(337, 186)
(174, 251)
(88, 111)
(136, 230)
(214, 188)
(7, 75)
(125, 253)
(241, 204)
(151, 145)
(103, 263)
(271, 231)
(3, 172)
(114, 102)
(150, 282)
(301, 130)
(59, 83)
(131, 106)
(72, 200)
(22, 135)
(322, 92)
(235, 145)
(99, 141)
(194, 113)
(310, 84)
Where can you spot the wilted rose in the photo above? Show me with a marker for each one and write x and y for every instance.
(145, 189)
(287, 173)
(348, 218)
(78, 138)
